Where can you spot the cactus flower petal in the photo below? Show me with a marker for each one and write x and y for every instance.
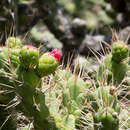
(56, 53)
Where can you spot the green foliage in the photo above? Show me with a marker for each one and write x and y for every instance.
(105, 108)
(106, 120)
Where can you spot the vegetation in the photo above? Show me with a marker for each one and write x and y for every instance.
(66, 101)
(61, 67)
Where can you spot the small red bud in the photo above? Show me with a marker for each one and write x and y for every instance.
(56, 53)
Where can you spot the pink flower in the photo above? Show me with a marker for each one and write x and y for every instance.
(56, 53)
(30, 47)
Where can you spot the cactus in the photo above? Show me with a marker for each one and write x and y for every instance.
(114, 67)
(119, 51)
(1, 60)
(105, 108)
(13, 42)
(62, 74)
(104, 97)
(48, 63)
(106, 120)
(71, 89)
(33, 99)
(11, 54)
(26, 82)
(6, 74)
(68, 106)
(14, 57)
(7, 121)
(73, 95)
(29, 56)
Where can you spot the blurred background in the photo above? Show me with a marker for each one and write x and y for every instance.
(71, 25)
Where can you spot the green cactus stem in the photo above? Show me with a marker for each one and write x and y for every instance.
(114, 66)
(13, 42)
(112, 71)
(47, 65)
(29, 56)
(30, 85)
(103, 97)
(119, 51)
(106, 120)
(73, 95)
(32, 99)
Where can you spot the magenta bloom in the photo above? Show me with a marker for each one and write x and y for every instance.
(56, 53)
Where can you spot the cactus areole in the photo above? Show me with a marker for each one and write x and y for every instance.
(29, 56)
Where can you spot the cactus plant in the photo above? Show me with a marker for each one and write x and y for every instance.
(67, 106)
(113, 66)
(33, 99)
(26, 82)
(14, 57)
(7, 121)
(29, 56)
(48, 63)
(73, 94)
(105, 108)
(106, 120)
(119, 51)
(13, 42)
(104, 97)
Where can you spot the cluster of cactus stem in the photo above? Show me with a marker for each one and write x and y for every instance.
(72, 102)
(102, 103)
(71, 88)
(105, 107)
(115, 65)
(21, 72)
(104, 100)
